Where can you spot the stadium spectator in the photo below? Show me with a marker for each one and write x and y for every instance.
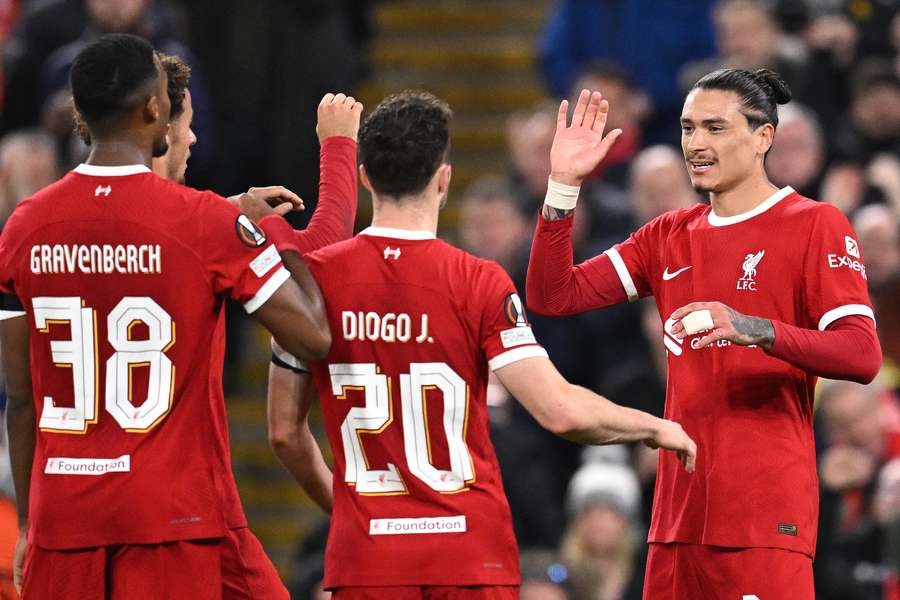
(798, 155)
(653, 49)
(601, 541)
(27, 163)
(696, 262)
(861, 424)
(658, 184)
(878, 228)
(747, 37)
(491, 224)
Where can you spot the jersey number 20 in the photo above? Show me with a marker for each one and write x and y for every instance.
(377, 414)
(80, 354)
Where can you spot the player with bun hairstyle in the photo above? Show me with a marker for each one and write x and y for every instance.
(744, 524)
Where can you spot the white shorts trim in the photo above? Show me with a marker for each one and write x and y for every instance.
(507, 358)
(267, 289)
(624, 275)
(844, 311)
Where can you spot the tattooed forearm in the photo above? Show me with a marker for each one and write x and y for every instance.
(754, 330)
(554, 214)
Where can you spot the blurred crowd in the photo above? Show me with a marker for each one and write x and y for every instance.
(580, 515)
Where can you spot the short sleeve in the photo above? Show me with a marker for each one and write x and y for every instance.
(835, 283)
(241, 261)
(634, 260)
(10, 242)
(506, 335)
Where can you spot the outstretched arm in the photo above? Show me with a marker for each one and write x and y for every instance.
(289, 401)
(335, 214)
(554, 285)
(579, 415)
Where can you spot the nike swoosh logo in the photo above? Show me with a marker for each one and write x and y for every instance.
(667, 276)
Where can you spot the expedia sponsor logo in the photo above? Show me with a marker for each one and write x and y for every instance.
(248, 232)
(836, 261)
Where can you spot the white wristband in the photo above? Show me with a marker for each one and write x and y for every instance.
(697, 321)
(560, 195)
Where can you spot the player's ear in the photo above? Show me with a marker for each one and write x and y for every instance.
(445, 171)
(364, 178)
(765, 136)
(151, 109)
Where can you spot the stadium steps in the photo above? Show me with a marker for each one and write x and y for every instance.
(478, 56)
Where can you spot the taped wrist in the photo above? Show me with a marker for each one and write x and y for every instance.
(560, 195)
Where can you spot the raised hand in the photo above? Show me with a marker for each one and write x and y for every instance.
(580, 146)
(338, 115)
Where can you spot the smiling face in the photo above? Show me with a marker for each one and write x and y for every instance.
(720, 148)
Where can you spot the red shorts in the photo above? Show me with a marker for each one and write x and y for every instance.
(231, 568)
(698, 572)
(483, 592)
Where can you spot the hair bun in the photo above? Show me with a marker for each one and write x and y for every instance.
(779, 90)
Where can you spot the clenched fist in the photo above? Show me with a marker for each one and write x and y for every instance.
(338, 115)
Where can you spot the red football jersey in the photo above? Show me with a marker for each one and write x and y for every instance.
(790, 259)
(123, 276)
(417, 323)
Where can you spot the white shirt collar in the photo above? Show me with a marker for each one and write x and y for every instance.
(117, 171)
(399, 234)
(771, 201)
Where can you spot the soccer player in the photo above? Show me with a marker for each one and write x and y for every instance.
(418, 509)
(760, 292)
(121, 276)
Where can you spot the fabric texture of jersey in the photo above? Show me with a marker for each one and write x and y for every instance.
(123, 276)
(793, 260)
(418, 497)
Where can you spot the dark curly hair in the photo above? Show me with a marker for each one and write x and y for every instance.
(403, 141)
(761, 92)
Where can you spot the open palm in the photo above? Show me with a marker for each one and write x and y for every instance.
(578, 148)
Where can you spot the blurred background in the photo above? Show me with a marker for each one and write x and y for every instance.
(259, 70)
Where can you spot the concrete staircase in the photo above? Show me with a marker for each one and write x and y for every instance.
(479, 56)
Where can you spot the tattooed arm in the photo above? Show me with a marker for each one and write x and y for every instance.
(730, 325)
(847, 349)
(554, 214)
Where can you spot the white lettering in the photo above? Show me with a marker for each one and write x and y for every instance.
(46, 259)
(348, 321)
(35, 259)
(424, 335)
(404, 327)
(390, 327)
